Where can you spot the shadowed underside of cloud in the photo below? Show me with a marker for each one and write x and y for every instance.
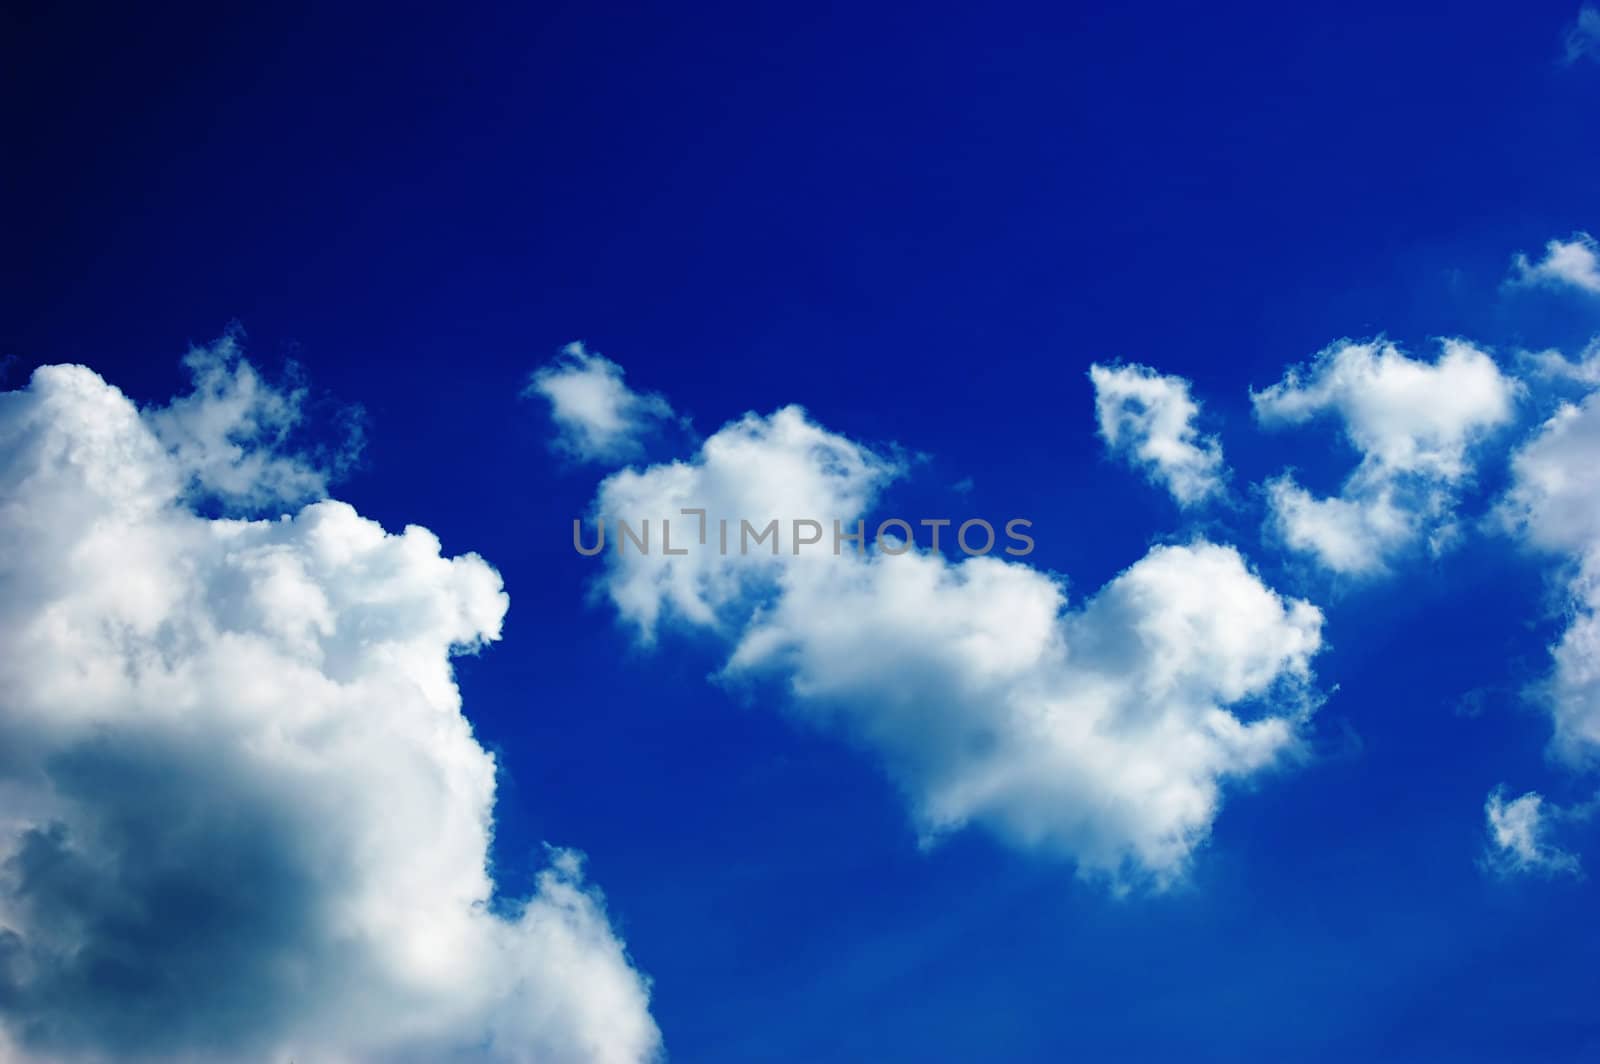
(1103, 733)
(241, 813)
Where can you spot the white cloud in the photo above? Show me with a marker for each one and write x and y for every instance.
(1554, 504)
(598, 417)
(1402, 414)
(1105, 733)
(228, 436)
(1574, 263)
(1350, 533)
(1552, 365)
(1148, 419)
(1414, 423)
(241, 813)
(756, 469)
(1583, 37)
(1518, 840)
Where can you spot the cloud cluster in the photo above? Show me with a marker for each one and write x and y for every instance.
(1573, 263)
(1414, 423)
(242, 816)
(1149, 420)
(1104, 733)
(598, 417)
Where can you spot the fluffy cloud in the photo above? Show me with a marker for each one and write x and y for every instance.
(1148, 419)
(1518, 836)
(1403, 415)
(1554, 504)
(598, 417)
(1105, 733)
(754, 469)
(241, 813)
(1414, 423)
(1349, 533)
(1574, 263)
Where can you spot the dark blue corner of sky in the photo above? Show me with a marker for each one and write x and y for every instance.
(923, 223)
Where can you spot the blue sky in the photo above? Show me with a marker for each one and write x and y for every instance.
(923, 227)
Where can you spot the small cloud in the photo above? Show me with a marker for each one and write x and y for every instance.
(963, 486)
(1571, 263)
(1583, 36)
(598, 417)
(1147, 419)
(1519, 831)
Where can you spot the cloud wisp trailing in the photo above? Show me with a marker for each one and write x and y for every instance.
(244, 816)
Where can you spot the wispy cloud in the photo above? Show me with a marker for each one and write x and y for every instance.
(1519, 836)
(1583, 37)
(232, 436)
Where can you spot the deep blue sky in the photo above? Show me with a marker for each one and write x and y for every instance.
(923, 224)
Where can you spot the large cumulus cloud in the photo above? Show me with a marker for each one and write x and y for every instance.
(241, 813)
